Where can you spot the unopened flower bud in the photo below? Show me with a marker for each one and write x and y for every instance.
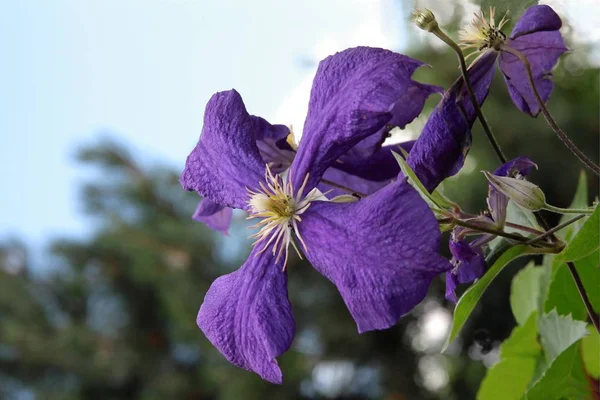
(522, 192)
(424, 19)
(344, 198)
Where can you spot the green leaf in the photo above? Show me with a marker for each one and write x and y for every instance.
(507, 380)
(518, 355)
(565, 375)
(585, 242)
(443, 201)
(522, 342)
(525, 291)
(564, 379)
(580, 200)
(469, 299)
(562, 293)
(590, 350)
(558, 332)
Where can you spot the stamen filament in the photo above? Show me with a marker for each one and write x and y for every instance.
(279, 207)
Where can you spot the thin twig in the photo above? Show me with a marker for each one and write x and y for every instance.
(507, 235)
(555, 229)
(465, 74)
(559, 132)
(586, 301)
(523, 228)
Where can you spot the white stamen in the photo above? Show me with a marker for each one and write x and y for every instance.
(483, 33)
(280, 212)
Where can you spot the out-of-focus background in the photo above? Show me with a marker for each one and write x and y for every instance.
(102, 270)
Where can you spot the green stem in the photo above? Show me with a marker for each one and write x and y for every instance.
(568, 210)
(523, 228)
(559, 132)
(496, 232)
(464, 71)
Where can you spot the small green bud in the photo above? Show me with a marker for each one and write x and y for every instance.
(522, 192)
(424, 19)
(344, 198)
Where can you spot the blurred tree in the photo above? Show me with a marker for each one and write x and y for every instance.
(114, 318)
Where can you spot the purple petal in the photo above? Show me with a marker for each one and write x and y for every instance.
(497, 201)
(521, 165)
(404, 110)
(451, 285)
(470, 265)
(440, 150)
(380, 252)
(272, 144)
(536, 19)
(213, 215)
(354, 95)
(226, 159)
(365, 175)
(247, 316)
(542, 50)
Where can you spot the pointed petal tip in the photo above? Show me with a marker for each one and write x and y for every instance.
(364, 327)
(272, 374)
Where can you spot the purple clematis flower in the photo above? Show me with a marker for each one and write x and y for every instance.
(467, 257)
(536, 35)
(379, 251)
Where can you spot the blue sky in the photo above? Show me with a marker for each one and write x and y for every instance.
(143, 70)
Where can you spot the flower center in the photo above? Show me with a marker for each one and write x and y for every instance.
(279, 210)
(483, 33)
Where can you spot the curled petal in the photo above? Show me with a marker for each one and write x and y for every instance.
(536, 19)
(355, 94)
(213, 215)
(247, 316)
(226, 159)
(380, 252)
(470, 265)
(520, 165)
(542, 50)
(272, 144)
(440, 150)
